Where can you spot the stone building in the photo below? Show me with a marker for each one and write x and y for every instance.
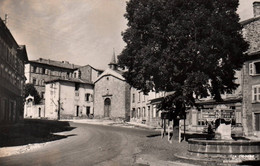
(12, 79)
(144, 107)
(68, 98)
(251, 74)
(112, 94)
(41, 70)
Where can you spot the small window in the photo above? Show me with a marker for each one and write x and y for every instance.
(79, 74)
(34, 81)
(87, 97)
(34, 69)
(256, 93)
(42, 95)
(254, 68)
(133, 99)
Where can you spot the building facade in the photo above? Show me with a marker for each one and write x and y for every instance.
(112, 94)
(12, 79)
(251, 74)
(144, 107)
(69, 98)
(41, 70)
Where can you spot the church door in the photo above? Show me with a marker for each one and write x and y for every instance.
(107, 107)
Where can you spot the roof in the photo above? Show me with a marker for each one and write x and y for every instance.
(7, 35)
(61, 64)
(100, 70)
(110, 72)
(253, 56)
(113, 59)
(72, 80)
(225, 101)
(248, 21)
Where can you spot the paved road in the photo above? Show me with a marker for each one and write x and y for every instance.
(86, 145)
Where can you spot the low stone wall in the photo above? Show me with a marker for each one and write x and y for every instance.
(227, 149)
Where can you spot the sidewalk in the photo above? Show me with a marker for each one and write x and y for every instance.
(111, 123)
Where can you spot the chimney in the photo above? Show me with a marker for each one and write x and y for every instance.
(256, 7)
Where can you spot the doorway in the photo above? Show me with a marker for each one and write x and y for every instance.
(107, 107)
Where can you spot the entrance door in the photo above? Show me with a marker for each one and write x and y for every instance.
(77, 110)
(39, 112)
(107, 107)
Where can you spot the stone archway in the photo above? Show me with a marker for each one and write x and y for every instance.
(107, 107)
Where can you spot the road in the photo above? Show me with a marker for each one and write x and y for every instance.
(86, 145)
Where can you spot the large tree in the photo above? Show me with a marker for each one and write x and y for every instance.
(191, 47)
(30, 90)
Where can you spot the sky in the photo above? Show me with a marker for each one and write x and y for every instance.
(79, 31)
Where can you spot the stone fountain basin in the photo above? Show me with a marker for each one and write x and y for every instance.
(249, 149)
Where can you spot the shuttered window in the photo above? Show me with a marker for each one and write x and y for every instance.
(257, 122)
(255, 93)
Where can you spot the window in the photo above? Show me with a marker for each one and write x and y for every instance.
(139, 97)
(75, 75)
(256, 93)
(34, 81)
(87, 97)
(133, 99)
(133, 113)
(79, 74)
(257, 122)
(34, 69)
(144, 112)
(254, 68)
(42, 95)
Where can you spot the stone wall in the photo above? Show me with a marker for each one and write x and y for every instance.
(251, 34)
(114, 89)
(72, 103)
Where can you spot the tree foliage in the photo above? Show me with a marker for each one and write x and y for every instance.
(30, 90)
(191, 47)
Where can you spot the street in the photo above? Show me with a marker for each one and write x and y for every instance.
(100, 145)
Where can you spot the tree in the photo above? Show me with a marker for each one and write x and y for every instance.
(30, 90)
(191, 47)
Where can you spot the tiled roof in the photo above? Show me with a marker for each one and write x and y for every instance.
(74, 80)
(115, 73)
(245, 22)
(100, 70)
(63, 64)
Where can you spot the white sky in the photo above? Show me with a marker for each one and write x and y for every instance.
(79, 31)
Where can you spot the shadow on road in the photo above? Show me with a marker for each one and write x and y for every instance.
(257, 162)
(32, 131)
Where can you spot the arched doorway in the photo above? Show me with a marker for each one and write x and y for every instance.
(107, 107)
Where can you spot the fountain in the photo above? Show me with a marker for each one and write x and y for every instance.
(223, 147)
